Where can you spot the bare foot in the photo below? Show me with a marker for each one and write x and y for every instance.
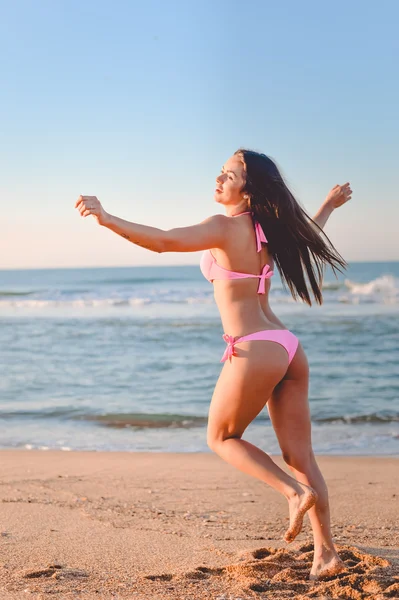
(298, 506)
(323, 568)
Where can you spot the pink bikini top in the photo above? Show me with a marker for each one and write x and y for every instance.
(211, 270)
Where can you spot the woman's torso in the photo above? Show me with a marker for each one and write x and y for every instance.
(242, 309)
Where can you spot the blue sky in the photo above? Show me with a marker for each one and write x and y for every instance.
(142, 103)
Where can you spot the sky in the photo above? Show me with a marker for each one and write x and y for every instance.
(141, 103)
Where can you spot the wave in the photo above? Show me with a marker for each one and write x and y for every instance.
(381, 290)
(333, 286)
(118, 420)
(103, 302)
(386, 286)
(14, 293)
(142, 280)
(173, 421)
(381, 417)
(148, 421)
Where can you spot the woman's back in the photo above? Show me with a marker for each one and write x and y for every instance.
(241, 276)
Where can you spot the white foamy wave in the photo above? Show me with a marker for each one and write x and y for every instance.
(332, 286)
(103, 302)
(139, 301)
(383, 289)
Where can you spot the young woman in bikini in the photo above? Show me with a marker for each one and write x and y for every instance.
(264, 363)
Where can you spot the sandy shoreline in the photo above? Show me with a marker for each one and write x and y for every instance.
(149, 525)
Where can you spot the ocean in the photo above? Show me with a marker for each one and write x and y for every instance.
(126, 359)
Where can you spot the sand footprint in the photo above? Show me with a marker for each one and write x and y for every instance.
(53, 571)
(275, 573)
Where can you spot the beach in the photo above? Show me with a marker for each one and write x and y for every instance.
(108, 489)
(177, 177)
(185, 526)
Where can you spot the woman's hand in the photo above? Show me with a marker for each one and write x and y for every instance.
(90, 205)
(339, 195)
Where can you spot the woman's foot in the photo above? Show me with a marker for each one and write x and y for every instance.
(299, 504)
(326, 564)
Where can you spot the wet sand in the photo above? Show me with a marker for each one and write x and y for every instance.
(185, 526)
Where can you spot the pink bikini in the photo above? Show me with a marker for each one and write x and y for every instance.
(212, 270)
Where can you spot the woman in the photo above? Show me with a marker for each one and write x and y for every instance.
(263, 361)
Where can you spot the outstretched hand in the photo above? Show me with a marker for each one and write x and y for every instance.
(339, 195)
(90, 205)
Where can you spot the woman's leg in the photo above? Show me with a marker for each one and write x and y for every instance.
(240, 394)
(290, 415)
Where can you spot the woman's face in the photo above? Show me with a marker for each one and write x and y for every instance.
(230, 182)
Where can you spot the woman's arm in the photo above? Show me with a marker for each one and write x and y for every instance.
(211, 233)
(207, 234)
(322, 215)
(339, 195)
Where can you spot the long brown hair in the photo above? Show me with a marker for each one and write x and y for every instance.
(298, 245)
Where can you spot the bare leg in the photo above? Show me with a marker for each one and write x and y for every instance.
(251, 460)
(326, 561)
(240, 394)
(289, 411)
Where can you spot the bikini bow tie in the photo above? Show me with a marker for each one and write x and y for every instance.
(229, 351)
(266, 274)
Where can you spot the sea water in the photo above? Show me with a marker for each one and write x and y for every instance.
(127, 358)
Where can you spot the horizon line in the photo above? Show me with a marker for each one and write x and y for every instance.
(152, 266)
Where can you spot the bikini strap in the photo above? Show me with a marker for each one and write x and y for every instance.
(260, 234)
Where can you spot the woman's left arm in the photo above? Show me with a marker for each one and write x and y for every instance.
(339, 195)
(210, 233)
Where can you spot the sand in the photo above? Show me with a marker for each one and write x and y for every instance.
(185, 526)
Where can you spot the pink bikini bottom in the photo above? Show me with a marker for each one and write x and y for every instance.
(281, 336)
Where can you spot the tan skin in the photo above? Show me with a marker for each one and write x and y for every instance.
(245, 385)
